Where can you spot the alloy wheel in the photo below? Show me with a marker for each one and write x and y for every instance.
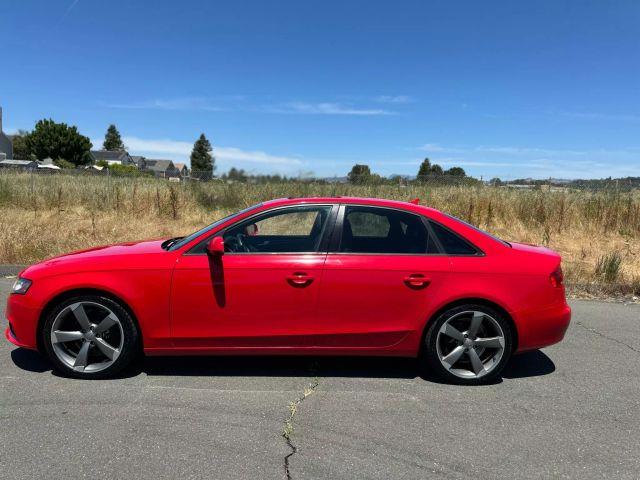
(470, 344)
(87, 337)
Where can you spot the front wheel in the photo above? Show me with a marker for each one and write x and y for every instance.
(468, 344)
(89, 336)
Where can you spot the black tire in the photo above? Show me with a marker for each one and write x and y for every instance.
(129, 337)
(430, 360)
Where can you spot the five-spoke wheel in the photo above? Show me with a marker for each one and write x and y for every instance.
(89, 337)
(468, 344)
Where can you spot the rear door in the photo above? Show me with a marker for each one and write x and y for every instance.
(382, 271)
(263, 291)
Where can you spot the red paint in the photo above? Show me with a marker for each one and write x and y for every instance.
(323, 303)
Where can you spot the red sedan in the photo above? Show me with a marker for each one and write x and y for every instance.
(321, 276)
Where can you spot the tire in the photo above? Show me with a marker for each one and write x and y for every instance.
(90, 337)
(468, 345)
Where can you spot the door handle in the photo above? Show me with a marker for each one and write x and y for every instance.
(416, 280)
(299, 279)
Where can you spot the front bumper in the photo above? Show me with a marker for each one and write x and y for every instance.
(23, 322)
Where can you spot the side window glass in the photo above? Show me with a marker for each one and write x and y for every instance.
(290, 230)
(383, 230)
(452, 243)
(368, 224)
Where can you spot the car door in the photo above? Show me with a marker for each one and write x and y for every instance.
(381, 273)
(263, 291)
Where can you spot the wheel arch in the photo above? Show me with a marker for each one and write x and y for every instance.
(472, 300)
(67, 294)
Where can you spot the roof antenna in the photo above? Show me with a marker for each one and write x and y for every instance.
(415, 201)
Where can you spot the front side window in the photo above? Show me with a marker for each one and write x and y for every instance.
(383, 230)
(289, 230)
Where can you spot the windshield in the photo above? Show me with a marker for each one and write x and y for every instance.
(479, 230)
(208, 228)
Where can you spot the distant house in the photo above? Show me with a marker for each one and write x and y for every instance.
(183, 170)
(139, 161)
(6, 144)
(161, 168)
(118, 157)
(22, 164)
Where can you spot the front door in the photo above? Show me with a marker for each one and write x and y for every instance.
(262, 292)
(379, 279)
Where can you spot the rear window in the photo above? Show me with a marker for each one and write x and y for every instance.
(479, 230)
(452, 243)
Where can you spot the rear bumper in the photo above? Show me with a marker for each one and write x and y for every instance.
(543, 327)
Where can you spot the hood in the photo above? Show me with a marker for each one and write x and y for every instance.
(121, 256)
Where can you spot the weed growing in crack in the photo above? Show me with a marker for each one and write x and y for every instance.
(288, 428)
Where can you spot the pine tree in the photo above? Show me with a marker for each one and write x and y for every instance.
(425, 169)
(112, 140)
(202, 162)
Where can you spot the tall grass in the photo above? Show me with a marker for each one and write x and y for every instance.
(44, 215)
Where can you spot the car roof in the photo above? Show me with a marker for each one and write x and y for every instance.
(380, 202)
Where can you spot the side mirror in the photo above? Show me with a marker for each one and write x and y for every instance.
(215, 246)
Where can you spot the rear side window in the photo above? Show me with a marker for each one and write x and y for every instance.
(383, 230)
(452, 243)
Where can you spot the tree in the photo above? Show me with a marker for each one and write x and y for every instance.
(425, 169)
(20, 147)
(62, 163)
(456, 172)
(237, 175)
(59, 141)
(112, 140)
(202, 162)
(359, 174)
(436, 169)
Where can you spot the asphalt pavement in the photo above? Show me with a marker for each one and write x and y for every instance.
(568, 411)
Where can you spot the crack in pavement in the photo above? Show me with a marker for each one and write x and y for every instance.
(287, 429)
(593, 330)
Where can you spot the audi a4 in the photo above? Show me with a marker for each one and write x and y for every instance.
(299, 276)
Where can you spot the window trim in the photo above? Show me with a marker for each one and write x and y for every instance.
(336, 236)
(322, 247)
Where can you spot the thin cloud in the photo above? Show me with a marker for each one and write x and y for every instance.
(522, 151)
(397, 99)
(172, 148)
(71, 7)
(191, 103)
(326, 108)
(623, 117)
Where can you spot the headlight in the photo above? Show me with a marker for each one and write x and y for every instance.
(20, 286)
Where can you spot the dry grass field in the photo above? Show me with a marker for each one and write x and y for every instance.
(598, 233)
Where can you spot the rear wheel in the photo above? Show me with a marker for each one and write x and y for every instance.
(469, 344)
(89, 336)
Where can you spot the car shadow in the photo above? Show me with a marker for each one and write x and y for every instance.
(30, 360)
(529, 364)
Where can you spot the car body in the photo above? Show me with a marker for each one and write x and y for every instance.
(338, 292)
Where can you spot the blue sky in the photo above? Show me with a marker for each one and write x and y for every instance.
(504, 88)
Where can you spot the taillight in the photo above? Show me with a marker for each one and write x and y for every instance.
(557, 277)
